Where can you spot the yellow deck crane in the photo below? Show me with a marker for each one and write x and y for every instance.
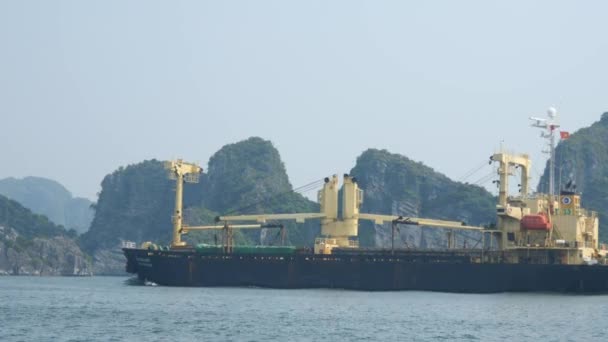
(181, 172)
(336, 231)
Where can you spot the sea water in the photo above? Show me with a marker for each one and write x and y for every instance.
(120, 309)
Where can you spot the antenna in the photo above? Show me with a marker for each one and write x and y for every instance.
(548, 126)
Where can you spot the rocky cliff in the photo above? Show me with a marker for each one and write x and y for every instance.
(396, 185)
(32, 245)
(58, 255)
(135, 203)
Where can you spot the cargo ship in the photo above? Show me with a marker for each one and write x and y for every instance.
(541, 242)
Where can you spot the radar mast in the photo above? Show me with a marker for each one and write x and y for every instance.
(549, 127)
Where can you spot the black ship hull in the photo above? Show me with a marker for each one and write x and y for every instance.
(369, 272)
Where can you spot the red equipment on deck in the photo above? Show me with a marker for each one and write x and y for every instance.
(536, 222)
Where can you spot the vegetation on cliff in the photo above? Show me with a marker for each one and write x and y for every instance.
(48, 197)
(249, 177)
(27, 224)
(244, 173)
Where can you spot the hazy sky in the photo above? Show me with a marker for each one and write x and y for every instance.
(88, 86)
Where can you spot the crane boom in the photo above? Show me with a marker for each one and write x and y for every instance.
(336, 231)
(186, 228)
(262, 218)
(379, 219)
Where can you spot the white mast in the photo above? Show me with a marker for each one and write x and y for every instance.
(549, 126)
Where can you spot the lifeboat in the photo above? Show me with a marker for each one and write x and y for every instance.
(535, 222)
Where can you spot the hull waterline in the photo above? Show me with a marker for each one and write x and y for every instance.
(379, 272)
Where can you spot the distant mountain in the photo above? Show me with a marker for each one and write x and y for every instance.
(31, 244)
(48, 197)
(583, 159)
(26, 223)
(396, 185)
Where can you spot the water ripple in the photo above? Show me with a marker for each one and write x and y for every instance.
(112, 309)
